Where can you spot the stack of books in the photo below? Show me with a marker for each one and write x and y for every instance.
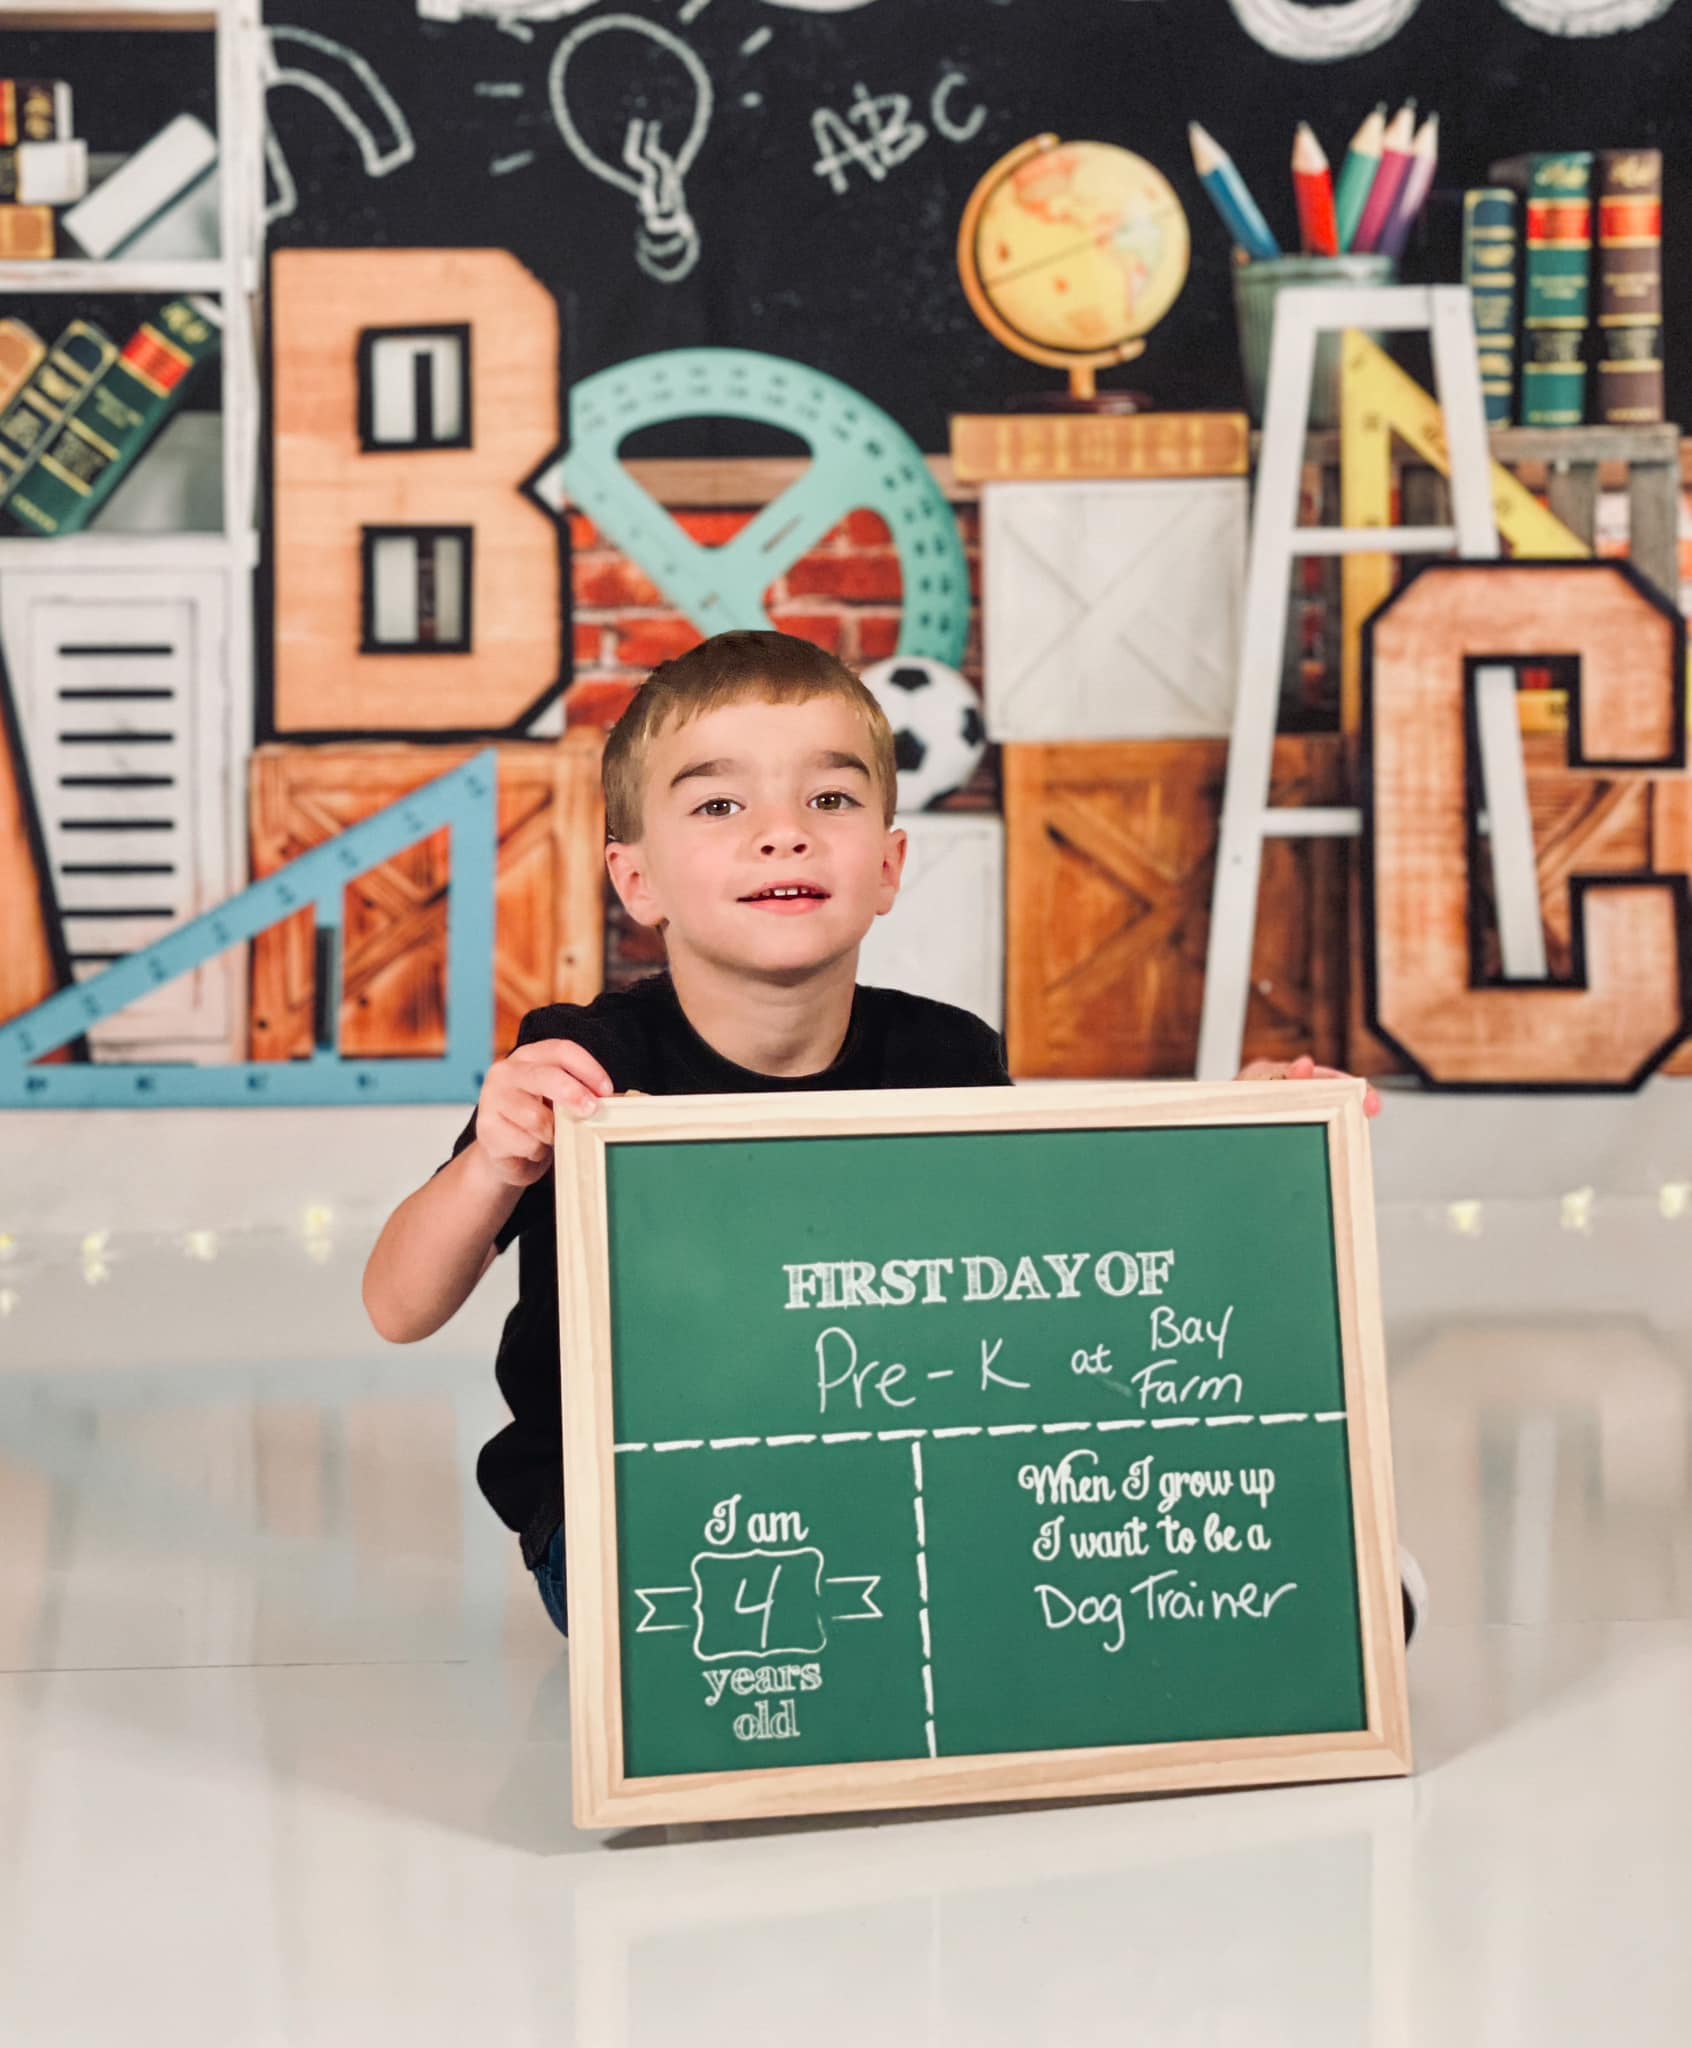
(76, 417)
(1555, 295)
(43, 165)
(49, 205)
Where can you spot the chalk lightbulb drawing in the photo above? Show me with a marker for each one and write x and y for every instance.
(650, 170)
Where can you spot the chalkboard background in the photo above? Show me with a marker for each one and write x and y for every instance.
(861, 283)
(919, 1498)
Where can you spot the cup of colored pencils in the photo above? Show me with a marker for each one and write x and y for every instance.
(1351, 231)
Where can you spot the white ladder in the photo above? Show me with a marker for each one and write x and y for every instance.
(1302, 315)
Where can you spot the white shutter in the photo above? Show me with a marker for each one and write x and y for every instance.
(123, 700)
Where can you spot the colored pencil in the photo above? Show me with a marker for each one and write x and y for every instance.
(1357, 175)
(1424, 162)
(1231, 196)
(1313, 186)
(1396, 160)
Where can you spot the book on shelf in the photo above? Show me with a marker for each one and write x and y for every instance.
(44, 173)
(1557, 300)
(1554, 377)
(22, 352)
(76, 359)
(34, 110)
(26, 234)
(1630, 287)
(107, 430)
(142, 187)
(1491, 253)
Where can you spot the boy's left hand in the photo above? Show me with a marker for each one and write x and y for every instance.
(1304, 1069)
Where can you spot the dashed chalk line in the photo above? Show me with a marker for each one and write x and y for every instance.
(922, 1589)
(913, 1437)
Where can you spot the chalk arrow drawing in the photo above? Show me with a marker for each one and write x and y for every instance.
(348, 85)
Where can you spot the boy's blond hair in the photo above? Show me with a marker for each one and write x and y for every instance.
(732, 668)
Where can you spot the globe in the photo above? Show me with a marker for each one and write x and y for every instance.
(1071, 252)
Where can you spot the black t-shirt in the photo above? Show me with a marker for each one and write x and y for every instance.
(643, 1040)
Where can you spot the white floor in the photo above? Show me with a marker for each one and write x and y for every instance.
(283, 1728)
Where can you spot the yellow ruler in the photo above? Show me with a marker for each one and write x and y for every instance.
(1377, 401)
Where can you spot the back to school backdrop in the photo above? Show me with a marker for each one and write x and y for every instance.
(382, 386)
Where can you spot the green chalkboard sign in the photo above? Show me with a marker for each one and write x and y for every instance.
(969, 1444)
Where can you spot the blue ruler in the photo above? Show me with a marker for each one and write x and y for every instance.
(861, 460)
(462, 803)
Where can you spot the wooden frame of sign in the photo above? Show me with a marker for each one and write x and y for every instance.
(608, 1793)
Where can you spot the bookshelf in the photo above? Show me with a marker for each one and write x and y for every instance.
(69, 274)
(155, 14)
(146, 607)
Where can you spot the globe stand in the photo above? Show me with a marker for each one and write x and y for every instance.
(1084, 394)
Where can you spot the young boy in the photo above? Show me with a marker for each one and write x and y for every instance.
(749, 801)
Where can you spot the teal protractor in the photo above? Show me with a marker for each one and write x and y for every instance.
(861, 461)
(463, 803)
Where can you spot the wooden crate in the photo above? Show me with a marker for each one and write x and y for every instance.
(1111, 852)
(549, 894)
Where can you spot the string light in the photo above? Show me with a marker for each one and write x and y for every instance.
(319, 1247)
(8, 1244)
(1578, 1209)
(9, 1299)
(201, 1245)
(94, 1267)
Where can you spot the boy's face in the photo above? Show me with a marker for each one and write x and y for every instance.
(753, 797)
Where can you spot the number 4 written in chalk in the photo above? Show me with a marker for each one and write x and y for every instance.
(762, 1607)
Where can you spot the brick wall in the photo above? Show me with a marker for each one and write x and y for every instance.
(844, 595)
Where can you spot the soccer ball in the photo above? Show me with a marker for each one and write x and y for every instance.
(939, 734)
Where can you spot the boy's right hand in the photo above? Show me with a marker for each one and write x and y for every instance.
(514, 1114)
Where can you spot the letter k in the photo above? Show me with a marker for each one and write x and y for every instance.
(988, 1375)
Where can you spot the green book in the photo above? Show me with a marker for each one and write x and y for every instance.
(1554, 378)
(115, 418)
(1559, 240)
(1489, 270)
(76, 359)
(1557, 303)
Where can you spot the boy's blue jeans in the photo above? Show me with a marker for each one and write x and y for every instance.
(549, 1582)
